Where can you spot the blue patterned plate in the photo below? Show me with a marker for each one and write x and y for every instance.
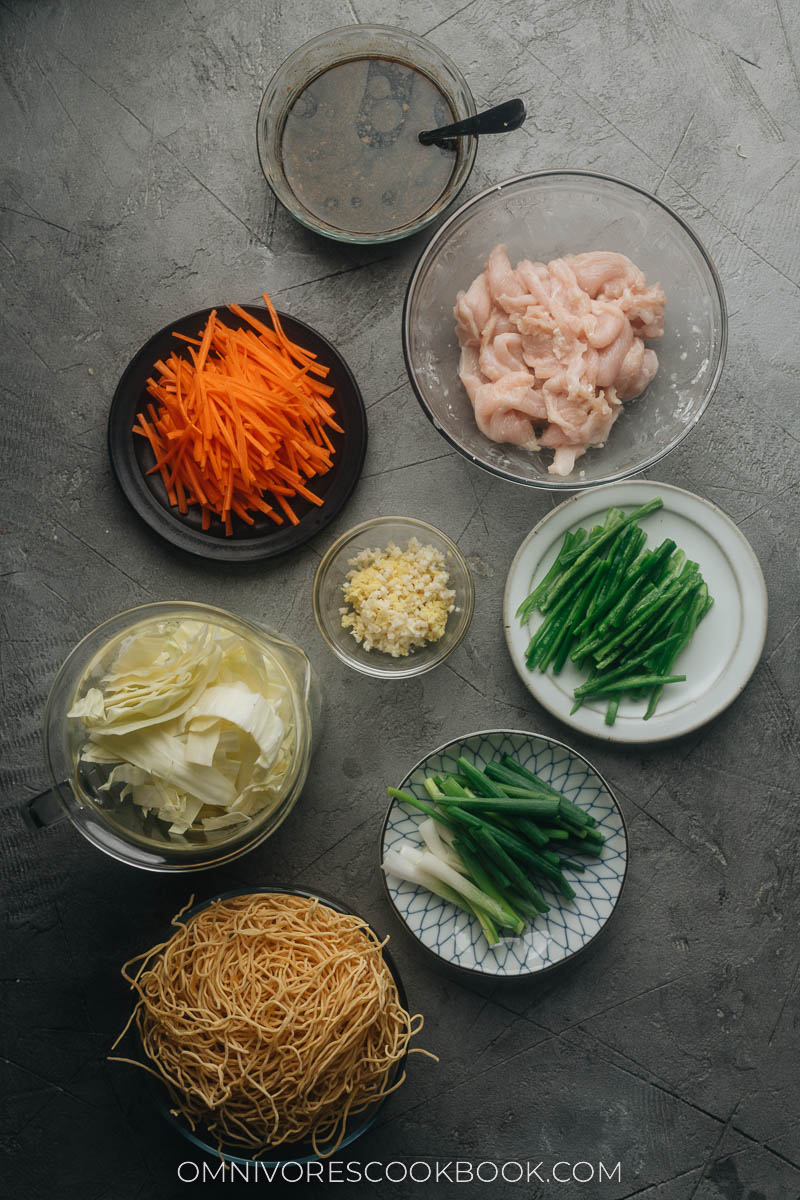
(569, 927)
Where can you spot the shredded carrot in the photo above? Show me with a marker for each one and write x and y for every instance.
(242, 414)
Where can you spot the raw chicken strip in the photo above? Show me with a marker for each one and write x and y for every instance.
(549, 352)
(505, 408)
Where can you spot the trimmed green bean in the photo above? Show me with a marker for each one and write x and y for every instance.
(632, 682)
(593, 547)
(571, 541)
(671, 596)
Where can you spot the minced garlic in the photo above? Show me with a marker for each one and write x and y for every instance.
(398, 599)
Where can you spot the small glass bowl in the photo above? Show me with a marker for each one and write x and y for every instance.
(329, 598)
(546, 215)
(344, 45)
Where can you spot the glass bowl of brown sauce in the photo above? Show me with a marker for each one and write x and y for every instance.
(338, 133)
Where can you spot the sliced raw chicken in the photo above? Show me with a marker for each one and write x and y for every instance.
(473, 311)
(551, 351)
(501, 355)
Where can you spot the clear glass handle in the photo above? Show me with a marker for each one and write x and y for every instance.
(44, 809)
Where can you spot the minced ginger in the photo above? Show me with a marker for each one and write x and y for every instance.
(398, 599)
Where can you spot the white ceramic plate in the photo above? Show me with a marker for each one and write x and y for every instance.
(728, 643)
(570, 926)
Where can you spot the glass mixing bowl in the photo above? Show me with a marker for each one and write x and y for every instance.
(345, 45)
(543, 216)
(328, 599)
(116, 827)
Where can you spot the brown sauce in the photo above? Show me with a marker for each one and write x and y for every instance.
(350, 145)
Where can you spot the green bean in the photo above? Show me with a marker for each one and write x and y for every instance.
(671, 596)
(632, 682)
(552, 634)
(629, 546)
(633, 593)
(613, 519)
(674, 566)
(561, 650)
(575, 568)
(633, 660)
(548, 630)
(699, 606)
(571, 540)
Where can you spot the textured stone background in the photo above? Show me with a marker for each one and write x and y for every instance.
(132, 194)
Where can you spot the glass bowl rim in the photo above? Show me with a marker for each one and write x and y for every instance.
(229, 849)
(371, 1114)
(388, 672)
(436, 210)
(554, 484)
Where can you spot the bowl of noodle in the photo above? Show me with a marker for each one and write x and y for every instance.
(274, 1022)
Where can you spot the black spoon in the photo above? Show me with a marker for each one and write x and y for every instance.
(500, 119)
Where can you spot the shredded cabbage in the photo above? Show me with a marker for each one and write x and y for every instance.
(195, 724)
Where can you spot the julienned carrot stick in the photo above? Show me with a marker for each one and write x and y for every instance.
(243, 413)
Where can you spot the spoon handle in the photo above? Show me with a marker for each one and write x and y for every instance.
(500, 119)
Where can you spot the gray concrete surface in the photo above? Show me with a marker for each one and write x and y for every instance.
(132, 194)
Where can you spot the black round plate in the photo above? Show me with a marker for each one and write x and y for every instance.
(132, 456)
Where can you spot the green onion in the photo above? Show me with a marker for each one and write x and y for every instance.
(546, 808)
(484, 881)
(493, 847)
(477, 779)
(508, 866)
